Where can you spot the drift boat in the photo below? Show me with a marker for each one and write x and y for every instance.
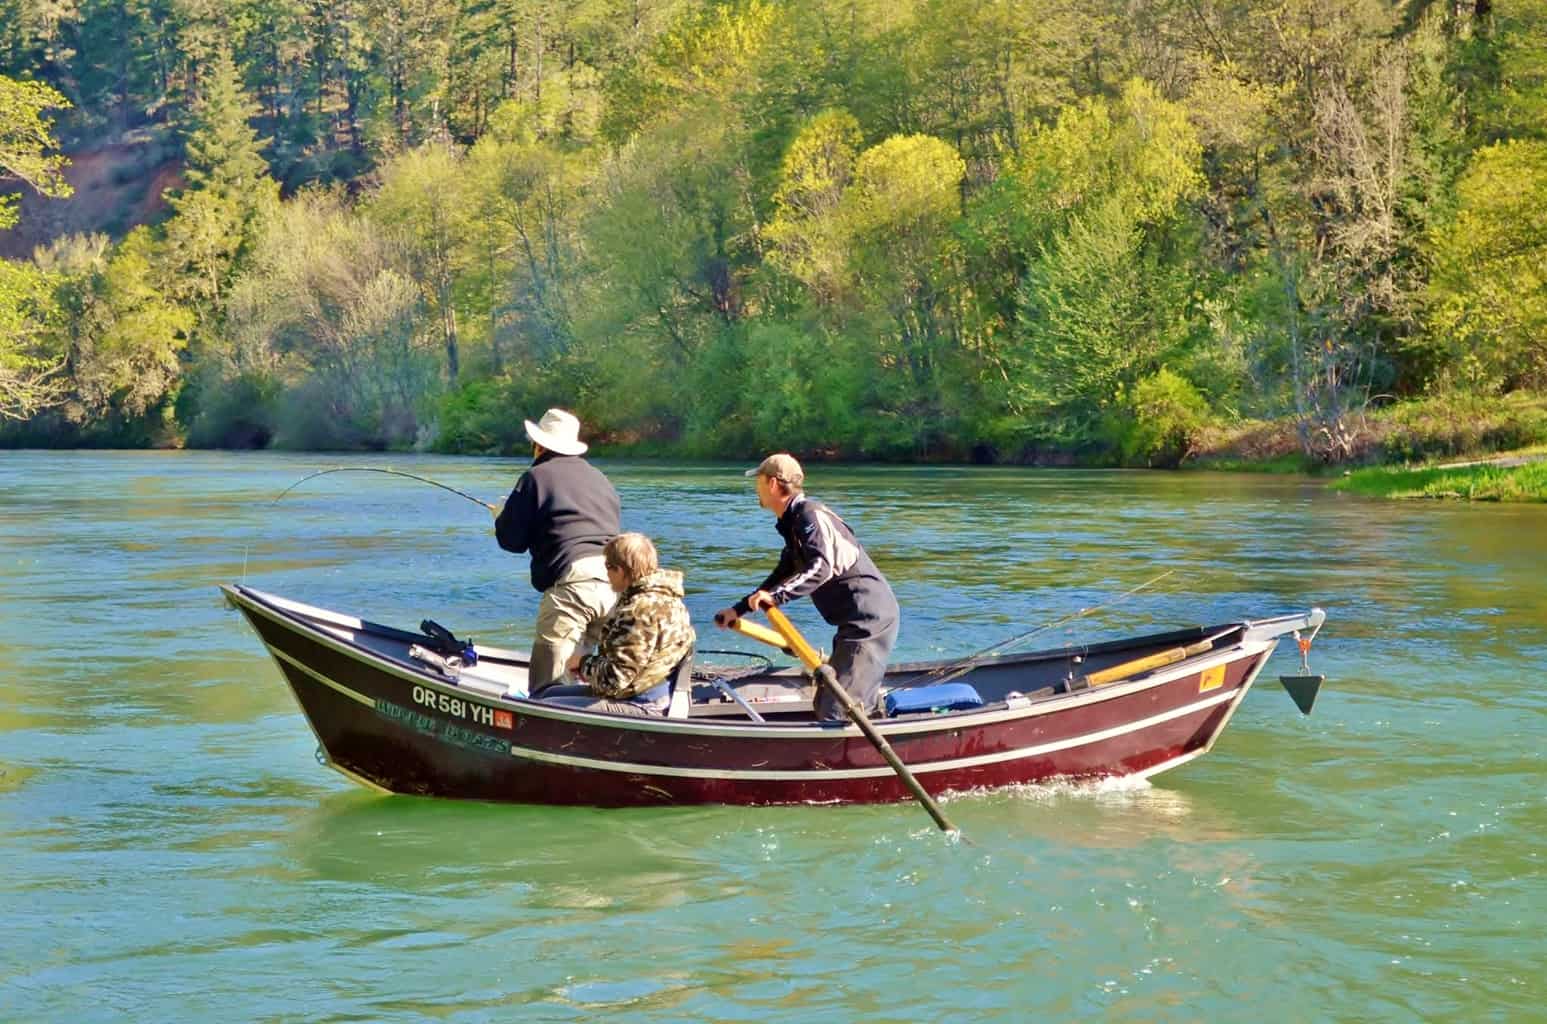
(423, 713)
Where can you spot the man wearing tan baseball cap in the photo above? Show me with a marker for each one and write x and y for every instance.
(823, 560)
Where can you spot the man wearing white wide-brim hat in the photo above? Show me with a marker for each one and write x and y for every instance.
(563, 511)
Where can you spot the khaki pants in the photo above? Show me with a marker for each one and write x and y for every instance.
(570, 614)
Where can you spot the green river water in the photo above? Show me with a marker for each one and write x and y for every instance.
(171, 851)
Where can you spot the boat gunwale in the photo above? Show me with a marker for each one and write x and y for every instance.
(503, 655)
(998, 712)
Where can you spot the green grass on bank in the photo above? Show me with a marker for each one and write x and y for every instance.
(1486, 482)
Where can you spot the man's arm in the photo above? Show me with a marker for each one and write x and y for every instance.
(785, 568)
(513, 527)
(825, 549)
(621, 655)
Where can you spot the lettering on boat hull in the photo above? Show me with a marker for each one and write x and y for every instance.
(468, 739)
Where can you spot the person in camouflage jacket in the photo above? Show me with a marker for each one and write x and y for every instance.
(643, 639)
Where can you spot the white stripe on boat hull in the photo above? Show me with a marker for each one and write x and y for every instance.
(808, 775)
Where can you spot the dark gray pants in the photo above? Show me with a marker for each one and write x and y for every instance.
(859, 661)
(571, 695)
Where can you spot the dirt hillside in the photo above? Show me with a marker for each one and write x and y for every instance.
(117, 187)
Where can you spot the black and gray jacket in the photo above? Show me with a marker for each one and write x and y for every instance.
(562, 509)
(823, 560)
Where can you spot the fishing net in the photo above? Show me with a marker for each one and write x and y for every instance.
(709, 671)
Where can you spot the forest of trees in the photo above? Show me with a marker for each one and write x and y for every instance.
(890, 229)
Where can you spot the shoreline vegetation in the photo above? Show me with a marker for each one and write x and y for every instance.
(1287, 236)
(1519, 477)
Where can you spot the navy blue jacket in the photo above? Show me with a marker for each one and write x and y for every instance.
(823, 560)
(562, 509)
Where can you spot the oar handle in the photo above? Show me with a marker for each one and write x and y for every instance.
(748, 628)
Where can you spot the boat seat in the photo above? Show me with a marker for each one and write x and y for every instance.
(682, 687)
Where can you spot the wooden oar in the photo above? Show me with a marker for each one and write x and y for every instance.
(825, 676)
(1144, 664)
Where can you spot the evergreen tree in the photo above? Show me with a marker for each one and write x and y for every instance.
(228, 190)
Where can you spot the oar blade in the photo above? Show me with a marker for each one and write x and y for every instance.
(1303, 690)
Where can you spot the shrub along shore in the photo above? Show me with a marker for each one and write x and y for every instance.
(1480, 449)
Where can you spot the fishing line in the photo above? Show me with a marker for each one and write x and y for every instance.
(365, 469)
(389, 472)
(955, 670)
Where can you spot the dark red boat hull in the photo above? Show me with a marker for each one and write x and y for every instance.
(385, 725)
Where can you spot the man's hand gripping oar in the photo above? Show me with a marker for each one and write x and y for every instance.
(789, 639)
(748, 628)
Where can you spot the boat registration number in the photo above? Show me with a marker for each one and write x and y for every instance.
(1211, 679)
(446, 704)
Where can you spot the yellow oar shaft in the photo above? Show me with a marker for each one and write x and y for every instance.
(761, 633)
(791, 636)
(1146, 663)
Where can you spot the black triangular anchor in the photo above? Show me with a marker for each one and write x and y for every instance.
(1302, 690)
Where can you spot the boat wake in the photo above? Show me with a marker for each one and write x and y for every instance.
(1126, 789)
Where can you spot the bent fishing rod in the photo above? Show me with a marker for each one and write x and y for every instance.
(366, 469)
(389, 472)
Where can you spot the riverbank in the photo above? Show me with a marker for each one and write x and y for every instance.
(1444, 446)
(1516, 477)
(1413, 448)
(1431, 429)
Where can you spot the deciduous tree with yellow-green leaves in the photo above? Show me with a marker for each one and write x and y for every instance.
(27, 144)
(1488, 295)
(1001, 230)
(31, 372)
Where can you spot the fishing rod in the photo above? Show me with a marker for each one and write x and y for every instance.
(958, 669)
(389, 472)
(366, 469)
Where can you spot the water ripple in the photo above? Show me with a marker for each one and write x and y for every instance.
(174, 853)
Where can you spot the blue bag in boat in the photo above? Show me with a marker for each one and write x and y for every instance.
(945, 697)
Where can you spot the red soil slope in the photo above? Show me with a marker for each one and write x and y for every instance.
(117, 187)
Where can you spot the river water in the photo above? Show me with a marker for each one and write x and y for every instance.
(172, 851)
